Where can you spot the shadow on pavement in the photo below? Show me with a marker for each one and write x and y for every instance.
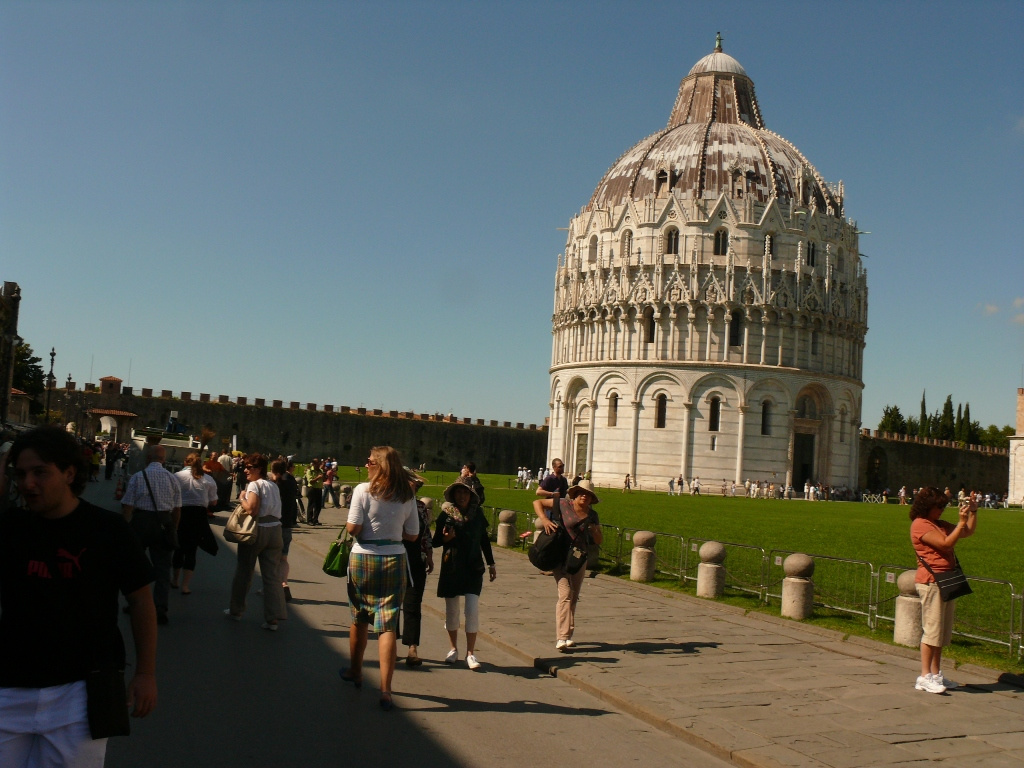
(519, 706)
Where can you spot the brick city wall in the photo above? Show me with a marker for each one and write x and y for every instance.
(889, 462)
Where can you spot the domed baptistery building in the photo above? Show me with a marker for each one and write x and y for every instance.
(710, 308)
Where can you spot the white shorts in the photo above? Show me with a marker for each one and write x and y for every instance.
(44, 727)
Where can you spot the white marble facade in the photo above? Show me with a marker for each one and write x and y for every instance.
(711, 307)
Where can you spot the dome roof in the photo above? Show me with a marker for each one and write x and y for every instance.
(715, 142)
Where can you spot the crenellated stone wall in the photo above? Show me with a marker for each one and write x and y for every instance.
(889, 461)
(306, 430)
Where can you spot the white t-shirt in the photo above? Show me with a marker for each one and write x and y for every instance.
(196, 493)
(270, 500)
(381, 519)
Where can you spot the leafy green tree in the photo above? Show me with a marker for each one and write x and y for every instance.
(946, 423)
(997, 437)
(892, 420)
(922, 423)
(29, 376)
(912, 426)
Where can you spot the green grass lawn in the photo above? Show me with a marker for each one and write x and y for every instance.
(876, 533)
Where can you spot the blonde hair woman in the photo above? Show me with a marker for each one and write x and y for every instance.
(381, 516)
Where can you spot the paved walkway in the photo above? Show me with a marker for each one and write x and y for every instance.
(750, 689)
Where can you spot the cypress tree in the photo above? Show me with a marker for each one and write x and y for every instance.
(923, 424)
(967, 424)
(959, 428)
(946, 421)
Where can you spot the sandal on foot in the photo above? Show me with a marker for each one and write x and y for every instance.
(346, 675)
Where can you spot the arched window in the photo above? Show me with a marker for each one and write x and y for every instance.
(592, 254)
(812, 254)
(649, 325)
(613, 409)
(806, 408)
(661, 184)
(672, 241)
(736, 328)
(721, 242)
(660, 411)
(766, 417)
(715, 415)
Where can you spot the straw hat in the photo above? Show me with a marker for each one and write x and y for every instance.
(583, 486)
(448, 492)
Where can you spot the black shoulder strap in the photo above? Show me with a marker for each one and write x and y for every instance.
(149, 488)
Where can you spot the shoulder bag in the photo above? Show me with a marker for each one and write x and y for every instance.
(240, 527)
(550, 550)
(953, 583)
(336, 562)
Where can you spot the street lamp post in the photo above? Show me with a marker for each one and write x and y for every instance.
(49, 383)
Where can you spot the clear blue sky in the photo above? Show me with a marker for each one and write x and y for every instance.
(359, 203)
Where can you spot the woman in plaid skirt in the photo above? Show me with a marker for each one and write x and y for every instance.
(381, 516)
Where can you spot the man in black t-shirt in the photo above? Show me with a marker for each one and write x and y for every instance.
(555, 483)
(62, 563)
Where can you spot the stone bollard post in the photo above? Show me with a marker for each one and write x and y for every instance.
(538, 528)
(711, 572)
(797, 587)
(642, 559)
(507, 528)
(907, 629)
(345, 495)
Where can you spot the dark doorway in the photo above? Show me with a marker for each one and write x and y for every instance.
(803, 460)
(581, 453)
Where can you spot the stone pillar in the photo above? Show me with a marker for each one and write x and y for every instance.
(725, 346)
(782, 336)
(345, 495)
(684, 458)
(711, 572)
(642, 558)
(907, 629)
(797, 587)
(590, 439)
(635, 431)
(507, 536)
(742, 410)
(746, 339)
(791, 450)
(691, 331)
(764, 340)
(707, 344)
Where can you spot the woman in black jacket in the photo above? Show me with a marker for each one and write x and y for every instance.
(462, 531)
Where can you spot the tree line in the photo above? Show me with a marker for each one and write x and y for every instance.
(944, 425)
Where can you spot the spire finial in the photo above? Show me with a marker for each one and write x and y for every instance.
(718, 43)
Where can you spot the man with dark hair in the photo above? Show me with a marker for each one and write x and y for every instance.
(554, 485)
(152, 505)
(468, 477)
(62, 563)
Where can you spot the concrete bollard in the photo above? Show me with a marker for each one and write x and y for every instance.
(642, 559)
(345, 495)
(711, 572)
(907, 629)
(538, 527)
(507, 528)
(797, 587)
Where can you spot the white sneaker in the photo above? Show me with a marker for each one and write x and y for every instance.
(561, 646)
(570, 643)
(946, 682)
(452, 657)
(930, 684)
(471, 662)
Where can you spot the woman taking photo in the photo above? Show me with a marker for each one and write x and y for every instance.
(260, 499)
(198, 496)
(576, 515)
(934, 541)
(462, 531)
(381, 516)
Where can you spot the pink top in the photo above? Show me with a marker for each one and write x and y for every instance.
(936, 560)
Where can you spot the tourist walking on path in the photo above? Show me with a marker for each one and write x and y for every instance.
(331, 485)
(314, 492)
(198, 498)
(288, 488)
(627, 486)
(576, 515)
(152, 505)
(462, 532)
(62, 563)
(934, 541)
(381, 516)
(261, 500)
(420, 554)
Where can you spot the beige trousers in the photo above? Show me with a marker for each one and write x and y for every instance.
(267, 549)
(568, 593)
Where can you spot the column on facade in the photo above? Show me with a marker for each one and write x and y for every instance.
(791, 448)
(782, 336)
(854, 469)
(707, 344)
(634, 432)
(590, 439)
(726, 323)
(764, 339)
(796, 343)
(684, 456)
(691, 330)
(742, 410)
(824, 470)
(551, 432)
(567, 407)
(659, 334)
(746, 339)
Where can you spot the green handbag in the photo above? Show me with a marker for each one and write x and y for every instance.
(336, 562)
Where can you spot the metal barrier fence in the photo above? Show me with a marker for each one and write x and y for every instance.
(993, 614)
